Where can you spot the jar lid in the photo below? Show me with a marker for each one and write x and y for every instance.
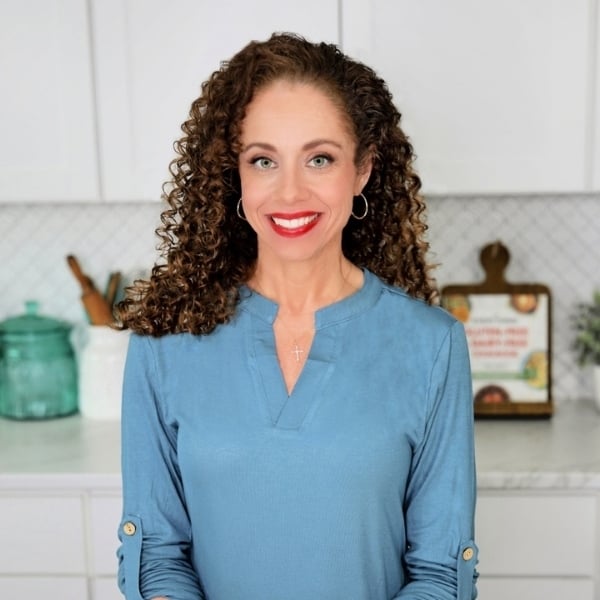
(32, 323)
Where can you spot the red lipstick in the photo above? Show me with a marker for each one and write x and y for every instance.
(294, 224)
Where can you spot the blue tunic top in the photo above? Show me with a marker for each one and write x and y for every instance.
(360, 485)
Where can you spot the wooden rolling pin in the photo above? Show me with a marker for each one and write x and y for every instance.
(99, 311)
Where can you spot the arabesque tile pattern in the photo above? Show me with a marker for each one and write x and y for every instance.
(553, 240)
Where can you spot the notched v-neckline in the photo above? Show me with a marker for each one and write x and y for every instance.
(292, 360)
(292, 410)
(289, 410)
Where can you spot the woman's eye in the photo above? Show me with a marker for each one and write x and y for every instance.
(262, 162)
(321, 161)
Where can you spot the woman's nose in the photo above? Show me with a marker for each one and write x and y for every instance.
(291, 185)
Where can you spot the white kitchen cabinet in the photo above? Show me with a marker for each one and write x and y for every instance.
(59, 544)
(105, 588)
(41, 534)
(42, 553)
(537, 545)
(47, 119)
(595, 141)
(151, 58)
(496, 96)
(104, 516)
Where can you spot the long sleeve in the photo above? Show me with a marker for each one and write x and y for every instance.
(440, 499)
(154, 556)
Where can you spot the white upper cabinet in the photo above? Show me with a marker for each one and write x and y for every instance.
(498, 96)
(495, 95)
(595, 143)
(151, 58)
(48, 143)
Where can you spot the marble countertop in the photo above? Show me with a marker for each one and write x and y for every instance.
(560, 453)
(69, 452)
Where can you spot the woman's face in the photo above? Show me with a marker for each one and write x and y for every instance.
(297, 172)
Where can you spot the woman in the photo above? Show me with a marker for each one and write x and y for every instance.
(297, 416)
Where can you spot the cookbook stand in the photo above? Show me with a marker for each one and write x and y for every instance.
(508, 327)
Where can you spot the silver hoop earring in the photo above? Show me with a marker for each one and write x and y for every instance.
(366, 212)
(238, 210)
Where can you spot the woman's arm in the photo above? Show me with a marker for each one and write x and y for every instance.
(440, 499)
(154, 556)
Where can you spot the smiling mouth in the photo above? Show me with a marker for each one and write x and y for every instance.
(294, 225)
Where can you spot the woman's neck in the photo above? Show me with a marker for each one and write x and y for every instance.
(301, 289)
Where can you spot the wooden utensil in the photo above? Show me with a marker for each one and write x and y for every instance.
(112, 287)
(99, 311)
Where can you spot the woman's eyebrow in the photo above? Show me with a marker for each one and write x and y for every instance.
(308, 146)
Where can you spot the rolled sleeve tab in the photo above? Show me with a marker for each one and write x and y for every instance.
(130, 555)
(466, 563)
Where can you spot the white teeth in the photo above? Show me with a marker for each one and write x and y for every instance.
(294, 223)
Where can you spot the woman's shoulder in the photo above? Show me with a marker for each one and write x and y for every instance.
(405, 307)
(168, 343)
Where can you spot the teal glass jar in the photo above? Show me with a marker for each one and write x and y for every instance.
(38, 371)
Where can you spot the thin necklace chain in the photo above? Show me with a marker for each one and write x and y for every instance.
(297, 350)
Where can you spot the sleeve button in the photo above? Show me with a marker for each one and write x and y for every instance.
(467, 554)
(129, 528)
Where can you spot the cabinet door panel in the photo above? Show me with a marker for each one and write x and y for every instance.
(536, 535)
(34, 588)
(535, 589)
(105, 514)
(41, 535)
(105, 588)
(495, 94)
(48, 143)
(151, 58)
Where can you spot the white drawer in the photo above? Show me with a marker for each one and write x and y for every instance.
(526, 534)
(41, 534)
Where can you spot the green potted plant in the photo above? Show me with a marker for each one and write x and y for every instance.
(586, 344)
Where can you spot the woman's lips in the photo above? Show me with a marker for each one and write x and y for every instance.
(293, 225)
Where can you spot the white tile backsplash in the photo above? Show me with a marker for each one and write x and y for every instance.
(35, 240)
(553, 240)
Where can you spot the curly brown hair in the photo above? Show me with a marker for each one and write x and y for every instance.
(208, 252)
